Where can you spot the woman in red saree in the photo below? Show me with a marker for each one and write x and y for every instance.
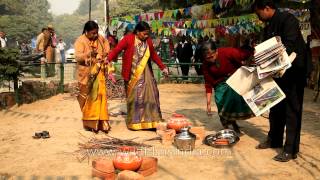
(143, 104)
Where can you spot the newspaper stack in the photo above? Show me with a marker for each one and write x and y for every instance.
(271, 57)
(257, 88)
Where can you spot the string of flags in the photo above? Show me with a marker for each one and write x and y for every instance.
(194, 21)
(203, 12)
(232, 25)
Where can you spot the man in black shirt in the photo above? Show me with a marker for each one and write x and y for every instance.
(288, 113)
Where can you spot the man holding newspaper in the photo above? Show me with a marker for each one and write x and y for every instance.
(288, 113)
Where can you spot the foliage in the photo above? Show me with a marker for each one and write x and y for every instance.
(23, 19)
(69, 27)
(83, 8)
(10, 69)
(165, 4)
(11, 7)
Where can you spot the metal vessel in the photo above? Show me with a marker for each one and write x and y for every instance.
(185, 140)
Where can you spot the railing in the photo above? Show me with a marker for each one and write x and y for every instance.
(61, 74)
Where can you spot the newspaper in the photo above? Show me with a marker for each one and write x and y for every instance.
(265, 46)
(280, 65)
(263, 96)
(255, 84)
(249, 68)
(260, 95)
(242, 80)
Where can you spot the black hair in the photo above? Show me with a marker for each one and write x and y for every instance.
(141, 26)
(206, 46)
(261, 4)
(43, 29)
(90, 25)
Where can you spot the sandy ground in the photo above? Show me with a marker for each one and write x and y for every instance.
(23, 156)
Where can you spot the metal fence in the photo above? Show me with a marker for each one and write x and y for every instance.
(60, 75)
(66, 72)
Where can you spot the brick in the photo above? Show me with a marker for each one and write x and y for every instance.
(167, 142)
(148, 163)
(148, 172)
(129, 175)
(168, 134)
(103, 175)
(162, 126)
(103, 165)
(160, 132)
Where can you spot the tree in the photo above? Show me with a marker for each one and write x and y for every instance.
(23, 19)
(69, 27)
(10, 69)
(83, 8)
(11, 7)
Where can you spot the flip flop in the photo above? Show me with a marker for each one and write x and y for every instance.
(45, 135)
(37, 135)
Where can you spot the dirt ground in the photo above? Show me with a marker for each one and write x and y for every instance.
(21, 156)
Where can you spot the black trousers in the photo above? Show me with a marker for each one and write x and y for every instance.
(287, 115)
(185, 68)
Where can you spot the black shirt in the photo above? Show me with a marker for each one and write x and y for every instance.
(286, 26)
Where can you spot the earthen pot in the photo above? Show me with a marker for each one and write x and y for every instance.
(177, 123)
(127, 159)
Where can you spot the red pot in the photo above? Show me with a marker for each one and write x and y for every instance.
(176, 115)
(178, 123)
(127, 159)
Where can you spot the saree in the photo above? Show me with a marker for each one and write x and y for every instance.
(94, 110)
(231, 106)
(142, 92)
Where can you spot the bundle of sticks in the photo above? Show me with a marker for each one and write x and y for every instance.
(106, 146)
(111, 143)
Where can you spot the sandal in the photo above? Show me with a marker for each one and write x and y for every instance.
(45, 135)
(37, 135)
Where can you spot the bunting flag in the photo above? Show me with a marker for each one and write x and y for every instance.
(199, 12)
(232, 25)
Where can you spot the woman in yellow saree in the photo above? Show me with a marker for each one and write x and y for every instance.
(143, 104)
(90, 50)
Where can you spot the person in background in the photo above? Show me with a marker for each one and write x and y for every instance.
(143, 106)
(61, 47)
(184, 55)
(287, 114)
(3, 40)
(112, 38)
(197, 56)
(42, 43)
(25, 49)
(217, 66)
(90, 51)
(50, 52)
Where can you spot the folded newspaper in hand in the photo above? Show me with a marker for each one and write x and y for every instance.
(257, 88)
(271, 57)
(260, 95)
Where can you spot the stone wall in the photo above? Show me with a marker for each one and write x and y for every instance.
(7, 99)
(31, 91)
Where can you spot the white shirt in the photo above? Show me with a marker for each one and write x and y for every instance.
(61, 46)
(3, 42)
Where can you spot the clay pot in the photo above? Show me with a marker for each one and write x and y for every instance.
(127, 159)
(177, 123)
(175, 115)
